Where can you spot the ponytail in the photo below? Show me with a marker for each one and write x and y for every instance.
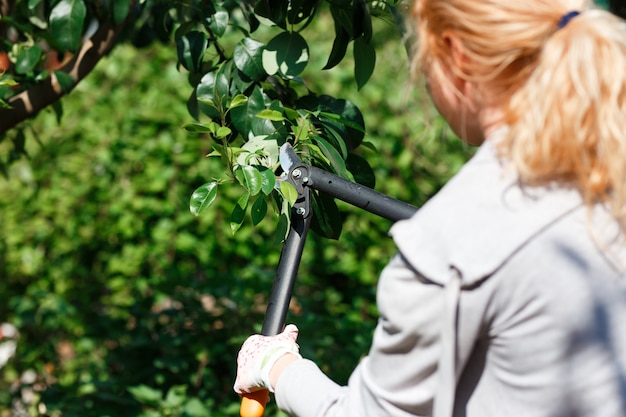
(568, 121)
(563, 89)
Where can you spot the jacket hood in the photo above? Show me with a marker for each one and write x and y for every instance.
(478, 220)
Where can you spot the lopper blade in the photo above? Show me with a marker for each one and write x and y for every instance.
(288, 158)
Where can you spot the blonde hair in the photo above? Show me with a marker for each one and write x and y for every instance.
(563, 90)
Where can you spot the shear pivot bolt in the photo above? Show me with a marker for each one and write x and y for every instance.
(296, 173)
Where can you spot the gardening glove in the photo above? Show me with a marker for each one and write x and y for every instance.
(257, 356)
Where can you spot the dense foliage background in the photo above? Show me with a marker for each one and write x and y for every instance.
(127, 304)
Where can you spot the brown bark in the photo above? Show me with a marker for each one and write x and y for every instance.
(30, 102)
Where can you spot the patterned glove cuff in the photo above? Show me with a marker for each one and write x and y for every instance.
(270, 358)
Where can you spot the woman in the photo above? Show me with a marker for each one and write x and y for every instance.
(508, 293)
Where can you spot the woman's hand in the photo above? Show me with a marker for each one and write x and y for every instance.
(258, 356)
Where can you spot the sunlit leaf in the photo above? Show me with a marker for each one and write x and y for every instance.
(211, 93)
(27, 59)
(289, 192)
(219, 21)
(268, 114)
(197, 128)
(67, 20)
(301, 10)
(338, 164)
(146, 394)
(203, 197)
(248, 58)
(287, 53)
(273, 11)
(268, 180)
(238, 100)
(222, 132)
(337, 140)
(250, 178)
(37, 13)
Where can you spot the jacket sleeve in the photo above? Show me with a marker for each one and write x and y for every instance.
(398, 376)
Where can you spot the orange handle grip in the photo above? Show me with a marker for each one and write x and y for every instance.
(253, 404)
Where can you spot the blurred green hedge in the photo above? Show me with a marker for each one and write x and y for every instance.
(128, 305)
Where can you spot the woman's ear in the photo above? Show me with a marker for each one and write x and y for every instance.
(458, 58)
(456, 49)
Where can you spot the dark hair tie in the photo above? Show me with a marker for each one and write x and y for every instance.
(566, 18)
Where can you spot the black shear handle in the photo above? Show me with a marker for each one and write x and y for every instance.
(253, 405)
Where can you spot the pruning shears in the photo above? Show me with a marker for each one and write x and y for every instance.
(304, 178)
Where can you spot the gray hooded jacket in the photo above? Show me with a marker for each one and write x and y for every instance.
(501, 302)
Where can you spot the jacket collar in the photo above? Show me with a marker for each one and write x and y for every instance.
(478, 220)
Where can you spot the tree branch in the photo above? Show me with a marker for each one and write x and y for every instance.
(30, 102)
(6, 6)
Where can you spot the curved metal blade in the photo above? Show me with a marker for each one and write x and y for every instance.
(288, 158)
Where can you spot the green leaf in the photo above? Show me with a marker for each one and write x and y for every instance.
(27, 59)
(37, 13)
(238, 100)
(282, 228)
(145, 394)
(33, 4)
(197, 128)
(7, 82)
(289, 192)
(287, 53)
(327, 219)
(337, 163)
(364, 61)
(361, 170)
(273, 115)
(250, 178)
(203, 197)
(211, 94)
(300, 10)
(121, 9)
(248, 58)
(175, 396)
(191, 48)
(195, 408)
(340, 47)
(268, 180)
(337, 139)
(219, 22)
(361, 20)
(274, 10)
(222, 132)
(239, 213)
(57, 107)
(67, 20)
(343, 114)
(241, 82)
(369, 145)
(258, 211)
(65, 80)
(244, 117)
